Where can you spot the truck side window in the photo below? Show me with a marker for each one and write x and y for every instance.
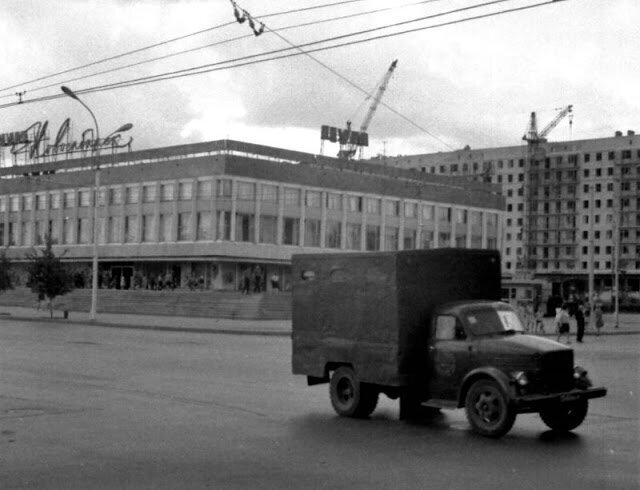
(445, 327)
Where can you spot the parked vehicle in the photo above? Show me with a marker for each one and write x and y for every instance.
(428, 327)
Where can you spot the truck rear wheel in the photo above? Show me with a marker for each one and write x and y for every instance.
(350, 397)
(488, 409)
(564, 417)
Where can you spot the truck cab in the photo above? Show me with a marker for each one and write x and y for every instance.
(480, 358)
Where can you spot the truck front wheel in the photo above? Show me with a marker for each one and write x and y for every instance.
(350, 397)
(488, 409)
(566, 416)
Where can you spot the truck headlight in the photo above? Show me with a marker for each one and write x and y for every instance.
(520, 377)
(579, 372)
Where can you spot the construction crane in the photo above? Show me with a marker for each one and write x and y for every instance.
(348, 148)
(533, 137)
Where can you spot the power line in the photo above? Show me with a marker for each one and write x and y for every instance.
(172, 40)
(244, 61)
(218, 43)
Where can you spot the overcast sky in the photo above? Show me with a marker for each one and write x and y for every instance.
(470, 83)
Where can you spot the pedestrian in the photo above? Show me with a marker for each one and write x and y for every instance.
(257, 286)
(246, 283)
(275, 282)
(598, 318)
(539, 320)
(562, 323)
(579, 316)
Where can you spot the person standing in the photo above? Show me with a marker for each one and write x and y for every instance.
(579, 316)
(562, 323)
(275, 282)
(598, 317)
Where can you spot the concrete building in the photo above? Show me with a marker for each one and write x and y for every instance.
(207, 215)
(569, 206)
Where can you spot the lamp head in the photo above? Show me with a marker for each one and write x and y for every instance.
(69, 92)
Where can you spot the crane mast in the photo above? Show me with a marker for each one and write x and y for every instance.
(349, 149)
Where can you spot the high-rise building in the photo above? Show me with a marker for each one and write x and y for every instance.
(572, 208)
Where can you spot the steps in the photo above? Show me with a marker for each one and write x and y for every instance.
(178, 302)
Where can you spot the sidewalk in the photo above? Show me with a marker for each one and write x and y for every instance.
(154, 322)
(628, 323)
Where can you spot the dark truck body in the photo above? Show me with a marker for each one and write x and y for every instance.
(368, 318)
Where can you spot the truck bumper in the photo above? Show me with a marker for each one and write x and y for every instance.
(533, 403)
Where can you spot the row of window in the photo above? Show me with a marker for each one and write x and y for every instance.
(584, 265)
(569, 251)
(149, 228)
(487, 165)
(246, 191)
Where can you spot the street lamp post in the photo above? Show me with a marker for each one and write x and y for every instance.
(95, 152)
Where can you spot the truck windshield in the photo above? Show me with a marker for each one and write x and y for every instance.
(487, 321)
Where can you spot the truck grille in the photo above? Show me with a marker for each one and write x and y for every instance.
(556, 371)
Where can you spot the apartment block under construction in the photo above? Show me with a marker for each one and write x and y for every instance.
(573, 209)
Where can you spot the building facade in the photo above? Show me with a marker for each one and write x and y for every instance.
(208, 215)
(570, 206)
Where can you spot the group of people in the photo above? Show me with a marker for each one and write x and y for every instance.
(566, 312)
(256, 280)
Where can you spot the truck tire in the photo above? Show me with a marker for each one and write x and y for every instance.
(563, 417)
(350, 397)
(488, 409)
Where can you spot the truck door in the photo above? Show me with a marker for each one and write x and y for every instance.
(449, 357)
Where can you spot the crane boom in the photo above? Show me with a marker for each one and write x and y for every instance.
(376, 100)
(533, 136)
(555, 121)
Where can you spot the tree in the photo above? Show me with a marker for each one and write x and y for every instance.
(48, 277)
(5, 273)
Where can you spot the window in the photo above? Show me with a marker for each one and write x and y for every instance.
(392, 208)
(391, 235)
(223, 223)
(113, 229)
(184, 226)
(354, 204)
(25, 239)
(245, 231)
(291, 196)
(291, 231)
(269, 193)
(223, 189)
(203, 225)
(334, 201)
(84, 198)
(372, 238)
(427, 212)
(148, 228)
(132, 195)
(83, 232)
(165, 231)
(444, 215)
(185, 191)
(410, 209)
(149, 193)
(246, 191)
(166, 192)
(372, 205)
(268, 229)
(312, 199)
(130, 229)
(69, 200)
(426, 239)
(115, 196)
(312, 233)
(333, 234)
(409, 239)
(27, 202)
(204, 189)
(354, 240)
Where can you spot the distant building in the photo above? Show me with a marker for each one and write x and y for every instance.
(561, 200)
(207, 215)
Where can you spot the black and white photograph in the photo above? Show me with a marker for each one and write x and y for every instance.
(319, 244)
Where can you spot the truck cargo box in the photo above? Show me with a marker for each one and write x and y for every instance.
(371, 310)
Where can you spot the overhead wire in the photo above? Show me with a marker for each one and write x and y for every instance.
(217, 43)
(246, 61)
(175, 39)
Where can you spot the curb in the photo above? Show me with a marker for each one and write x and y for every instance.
(93, 323)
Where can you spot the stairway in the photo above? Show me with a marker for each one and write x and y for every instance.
(178, 302)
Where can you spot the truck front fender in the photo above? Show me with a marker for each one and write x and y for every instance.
(487, 373)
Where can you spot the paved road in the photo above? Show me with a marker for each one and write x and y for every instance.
(100, 408)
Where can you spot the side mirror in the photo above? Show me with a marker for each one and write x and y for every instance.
(460, 335)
